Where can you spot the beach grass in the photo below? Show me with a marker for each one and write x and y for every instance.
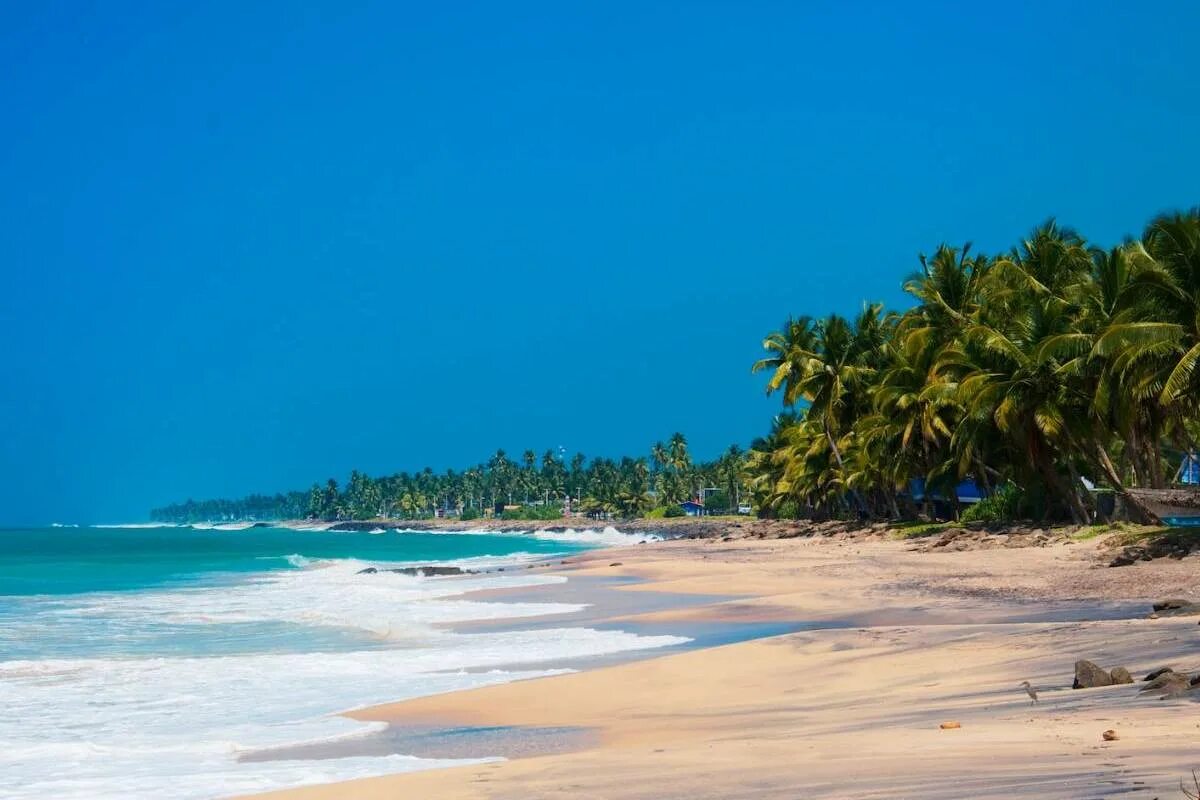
(917, 530)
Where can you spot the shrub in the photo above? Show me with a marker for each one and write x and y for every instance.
(673, 511)
(656, 513)
(469, 514)
(717, 501)
(1002, 505)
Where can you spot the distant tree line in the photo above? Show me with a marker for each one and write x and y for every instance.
(293, 505)
(529, 485)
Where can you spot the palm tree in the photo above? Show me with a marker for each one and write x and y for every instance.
(680, 459)
(790, 349)
(660, 456)
(1155, 334)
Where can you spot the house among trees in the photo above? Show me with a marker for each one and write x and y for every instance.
(692, 508)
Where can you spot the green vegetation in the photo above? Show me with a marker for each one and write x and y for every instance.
(1031, 369)
(538, 487)
(1003, 505)
(916, 530)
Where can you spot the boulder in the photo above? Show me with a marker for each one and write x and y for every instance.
(1155, 673)
(949, 536)
(1124, 559)
(1166, 605)
(1120, 675)
(420, 572)
(1188, 610)
(1110, 735)
(1090, 676)
(1169, 684)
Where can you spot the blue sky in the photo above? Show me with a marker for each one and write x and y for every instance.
(248, 248)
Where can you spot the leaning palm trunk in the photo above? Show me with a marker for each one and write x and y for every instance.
(837, 456)
(1138, 510)
(895, 508)
(1076, 494)
(1054, 483)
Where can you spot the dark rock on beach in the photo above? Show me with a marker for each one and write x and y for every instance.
(1189, 610)
(357, 525)
(1090, 676)
(1176, 607)
(1169, 684)
(429, 572)
(1121, 675)
(420, 572)
(1155, 673)
(1130, 556)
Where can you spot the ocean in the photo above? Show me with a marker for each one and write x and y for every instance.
(146, 661)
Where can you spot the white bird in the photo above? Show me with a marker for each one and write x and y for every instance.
(1029, 690)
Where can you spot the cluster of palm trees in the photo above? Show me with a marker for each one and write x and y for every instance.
(624, 487)
(1036, 369)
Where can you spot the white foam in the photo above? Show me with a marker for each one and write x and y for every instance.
(173, 727)
(607, 537)
(221, 526)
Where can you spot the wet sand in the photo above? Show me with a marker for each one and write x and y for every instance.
(904, 641)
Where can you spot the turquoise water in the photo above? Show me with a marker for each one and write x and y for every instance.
(143, 662)
(74, 560)
(71, 592)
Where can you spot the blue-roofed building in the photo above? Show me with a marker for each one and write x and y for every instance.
(968, 492)
(692, 508)
(1189, 470)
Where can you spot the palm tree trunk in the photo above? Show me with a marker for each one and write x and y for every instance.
(837, 455)
(1133, 454)
(1075, 492)
(1139, 510)
(1055, 484)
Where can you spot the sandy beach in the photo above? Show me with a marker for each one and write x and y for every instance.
(853, 710)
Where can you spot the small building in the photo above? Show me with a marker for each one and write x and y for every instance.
(968, 492)
(692, 508)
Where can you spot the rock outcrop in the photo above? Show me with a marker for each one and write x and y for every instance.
(1169, 684)
(1120, 675)
(420, 572)
(1090, 676)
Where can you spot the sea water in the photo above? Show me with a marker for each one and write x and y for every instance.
(143, 661)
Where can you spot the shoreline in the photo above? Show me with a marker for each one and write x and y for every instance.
(930, 637)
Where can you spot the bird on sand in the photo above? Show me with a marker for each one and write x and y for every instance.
(1029, 690)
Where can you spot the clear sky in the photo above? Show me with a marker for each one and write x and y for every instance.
(245, 249)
